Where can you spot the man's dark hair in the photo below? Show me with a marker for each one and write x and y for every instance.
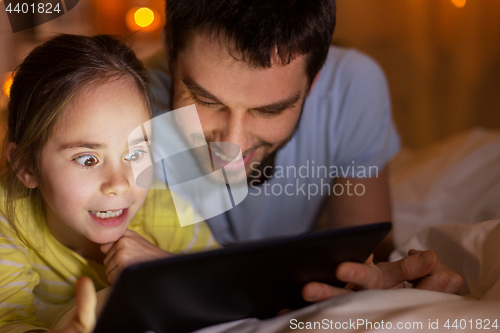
(256, 30)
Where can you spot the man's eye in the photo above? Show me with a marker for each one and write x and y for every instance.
(204, 103)
(87, 160)
(135, 156)
(208, 104)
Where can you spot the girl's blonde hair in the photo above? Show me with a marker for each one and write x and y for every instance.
(46, 81)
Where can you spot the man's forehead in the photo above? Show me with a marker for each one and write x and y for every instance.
(222, 50)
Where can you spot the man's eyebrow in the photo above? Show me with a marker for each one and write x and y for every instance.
(279, 106)
(196, 89)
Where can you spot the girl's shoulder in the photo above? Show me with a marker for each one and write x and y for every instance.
(158, 204)
(170, 222)
(27, 229)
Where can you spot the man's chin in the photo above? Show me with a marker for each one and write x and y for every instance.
(260, 172)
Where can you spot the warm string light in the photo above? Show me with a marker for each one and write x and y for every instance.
(143, 18)
(7, 82)
(459, 3)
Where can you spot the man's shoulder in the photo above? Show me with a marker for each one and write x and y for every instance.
(345, 66)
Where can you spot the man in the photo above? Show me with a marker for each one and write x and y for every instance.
(262, 75)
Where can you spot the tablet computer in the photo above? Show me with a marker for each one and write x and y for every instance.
(257, 279)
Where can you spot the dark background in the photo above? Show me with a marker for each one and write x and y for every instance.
(441, 57)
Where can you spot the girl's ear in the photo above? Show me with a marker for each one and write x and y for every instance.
(25, 175)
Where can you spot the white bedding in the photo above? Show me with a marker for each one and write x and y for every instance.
(455, 181)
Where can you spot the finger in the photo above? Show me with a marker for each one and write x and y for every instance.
(436, 282)
(106, 247)
(317, 292)
(111, 254)
(413, 267)
(369, 260)
(128, 234)
(114, 274)
(284, 311)
(127, 241)
(456, 283)
(86, 303)
(118, 246)
(364, 276)
(441, 279)
(112, 264)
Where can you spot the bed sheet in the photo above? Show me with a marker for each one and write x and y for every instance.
(454, 181)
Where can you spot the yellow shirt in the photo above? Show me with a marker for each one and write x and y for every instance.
(36, 268)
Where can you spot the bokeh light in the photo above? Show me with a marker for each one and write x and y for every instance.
(459, 3)
(7, 82)
(142, 18)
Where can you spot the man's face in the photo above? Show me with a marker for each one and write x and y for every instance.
(255, 108)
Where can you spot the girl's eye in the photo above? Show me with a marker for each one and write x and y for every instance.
(135, 156)
(87, 160)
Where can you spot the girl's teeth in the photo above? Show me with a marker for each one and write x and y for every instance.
(107, 214)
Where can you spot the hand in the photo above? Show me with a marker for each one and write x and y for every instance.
(130, 249)
(420, 267)
(83, 321)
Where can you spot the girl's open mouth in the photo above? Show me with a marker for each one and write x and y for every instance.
(109, 218)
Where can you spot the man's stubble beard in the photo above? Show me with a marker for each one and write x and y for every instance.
(265, 171)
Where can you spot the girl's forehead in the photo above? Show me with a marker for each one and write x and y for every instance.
(115, 107)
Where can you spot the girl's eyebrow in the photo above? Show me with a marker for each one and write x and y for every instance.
(96, 146)
(138, 141)
(87, 145)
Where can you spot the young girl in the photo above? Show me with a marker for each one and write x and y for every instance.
(69, 204)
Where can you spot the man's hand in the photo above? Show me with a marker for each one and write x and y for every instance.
(130, 249)
(422, 268)
(83, 321)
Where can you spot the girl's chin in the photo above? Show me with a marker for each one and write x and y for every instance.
(106, 238)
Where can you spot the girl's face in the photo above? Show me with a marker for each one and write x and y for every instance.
(86, 166)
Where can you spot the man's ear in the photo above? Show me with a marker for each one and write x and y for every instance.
(314, 82)
(25, 175)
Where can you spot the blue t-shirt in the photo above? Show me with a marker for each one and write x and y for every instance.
(345, 130)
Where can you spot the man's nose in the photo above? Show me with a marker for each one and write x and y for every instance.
(235, 131)
(116, 180)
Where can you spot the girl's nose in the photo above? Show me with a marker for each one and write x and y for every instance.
(116, 181)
